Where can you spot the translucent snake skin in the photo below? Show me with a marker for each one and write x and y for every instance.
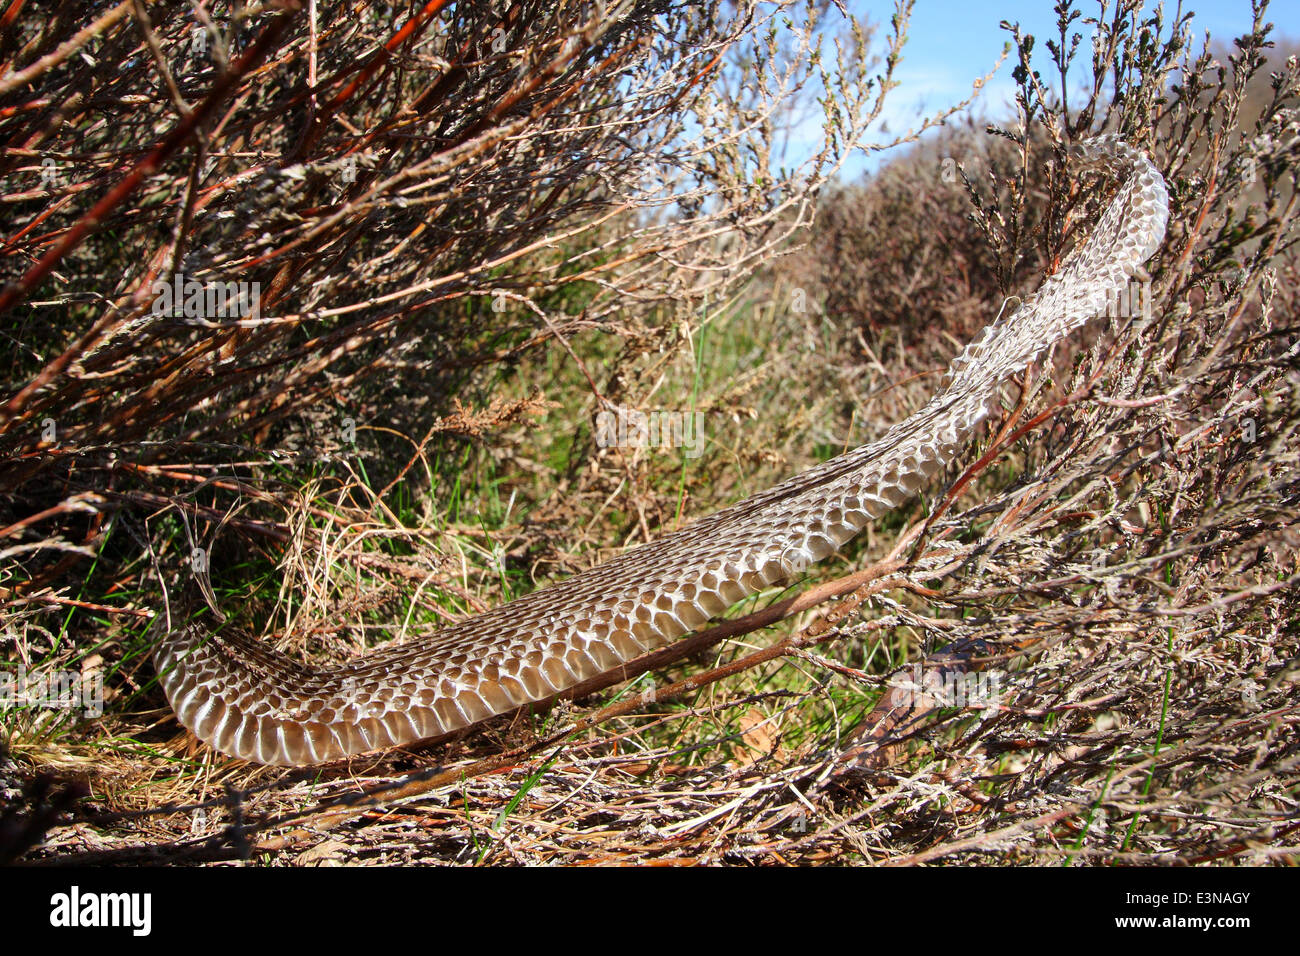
(249, 701)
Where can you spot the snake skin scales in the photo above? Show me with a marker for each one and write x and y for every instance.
(249, 701)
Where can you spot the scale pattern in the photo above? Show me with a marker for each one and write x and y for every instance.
(249, 701)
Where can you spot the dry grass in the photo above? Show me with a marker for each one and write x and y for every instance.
(1118, 551)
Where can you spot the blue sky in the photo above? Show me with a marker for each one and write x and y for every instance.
(951, 42)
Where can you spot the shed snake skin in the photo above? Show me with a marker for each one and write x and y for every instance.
(249, 701)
